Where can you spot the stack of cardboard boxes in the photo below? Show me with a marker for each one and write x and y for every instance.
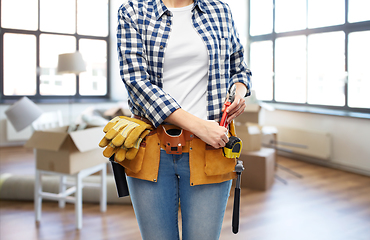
(259, 161)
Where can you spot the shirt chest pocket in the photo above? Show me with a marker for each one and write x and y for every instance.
(224, 55)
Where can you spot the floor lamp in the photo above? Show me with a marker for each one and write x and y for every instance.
(71, 63)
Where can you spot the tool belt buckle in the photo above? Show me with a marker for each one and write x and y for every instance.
(173, 143)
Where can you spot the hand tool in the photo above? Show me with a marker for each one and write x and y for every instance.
(236, 209)
(119, 178)
(233, 148)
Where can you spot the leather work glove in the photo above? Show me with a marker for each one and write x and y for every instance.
(122, 138)
(123, 130)
(111, 123)
(115, 122)
(124, 135)
(120, 154)
(110, 150)
(112, 130)
(131, 153)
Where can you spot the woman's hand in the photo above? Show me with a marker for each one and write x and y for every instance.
(209, 131)
(212, 134)
(238, 106)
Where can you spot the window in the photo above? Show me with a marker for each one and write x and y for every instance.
(290, 69)
(261, 56)
(358, 69)
(35, 32)
(311, 52)
(326, 70)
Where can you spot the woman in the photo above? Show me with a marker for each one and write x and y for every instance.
(178, 59)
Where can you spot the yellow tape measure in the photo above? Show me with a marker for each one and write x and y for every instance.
(233, 148)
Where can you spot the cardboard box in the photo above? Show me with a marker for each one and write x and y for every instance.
(250, 114)
(259, 169)
(60, 151)
(117, 111)
(269, 136)
(253, 109)
(250, 134)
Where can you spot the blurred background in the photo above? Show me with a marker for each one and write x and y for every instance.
(309, 59)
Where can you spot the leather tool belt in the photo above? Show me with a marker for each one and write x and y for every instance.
(207, 165)
(173, 139)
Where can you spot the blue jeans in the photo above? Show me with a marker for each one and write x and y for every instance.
(156, 204)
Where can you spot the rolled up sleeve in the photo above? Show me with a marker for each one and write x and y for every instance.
(239, 71)
(146, 99)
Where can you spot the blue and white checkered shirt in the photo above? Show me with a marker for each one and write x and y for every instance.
(144, 27)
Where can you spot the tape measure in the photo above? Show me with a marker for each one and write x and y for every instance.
(233, 148)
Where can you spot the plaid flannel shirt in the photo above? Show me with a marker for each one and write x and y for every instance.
(144, 27)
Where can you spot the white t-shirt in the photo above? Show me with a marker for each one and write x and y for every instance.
(185, 70)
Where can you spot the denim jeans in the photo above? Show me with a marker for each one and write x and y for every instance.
(156, 204)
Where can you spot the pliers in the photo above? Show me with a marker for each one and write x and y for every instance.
(230, 99)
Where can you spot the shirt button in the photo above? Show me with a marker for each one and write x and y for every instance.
(161, 46)
(158, 75)
(168, 24)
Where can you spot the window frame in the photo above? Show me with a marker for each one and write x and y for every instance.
(347, 28)
(54, 98)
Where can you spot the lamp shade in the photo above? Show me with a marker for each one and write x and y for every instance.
(71, 63)
(22, 113)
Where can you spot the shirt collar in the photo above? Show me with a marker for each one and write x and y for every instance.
(160, 8)
(199, 4)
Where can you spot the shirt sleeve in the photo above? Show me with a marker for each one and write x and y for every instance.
(147, 99)
(239, 71)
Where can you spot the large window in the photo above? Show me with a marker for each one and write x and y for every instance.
(311, 52)
(35, 32)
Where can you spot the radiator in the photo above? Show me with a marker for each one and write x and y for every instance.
(303, 142)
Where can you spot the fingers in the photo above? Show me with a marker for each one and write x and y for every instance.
(236, 105)
(225, 138)
(236, 108)
(220, 137)
(221, 142)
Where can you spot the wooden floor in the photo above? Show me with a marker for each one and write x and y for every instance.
(325, 204)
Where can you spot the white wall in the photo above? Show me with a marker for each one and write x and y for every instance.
(350, 136)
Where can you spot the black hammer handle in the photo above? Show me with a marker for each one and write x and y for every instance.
(236, 208)
(120, 178)
(235, 222)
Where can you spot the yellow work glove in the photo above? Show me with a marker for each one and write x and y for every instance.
(130, 133)
(119, 125)
(123, 137)
(123, 130)
(111, 123)
(110, 150)
(120, 154)
(113, 127)
(131, 153)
